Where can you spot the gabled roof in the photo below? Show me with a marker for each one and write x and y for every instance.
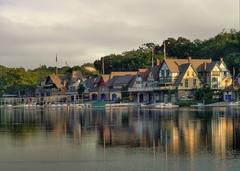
(211, 65)
(130, 73)
(155, 71)
(144, 75)
(57, 81)
(92, 83)
(142, 69)
(173, 64)
(183, 69)
(105, 77)
(120, 80)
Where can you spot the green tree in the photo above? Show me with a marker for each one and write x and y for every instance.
(204, 94)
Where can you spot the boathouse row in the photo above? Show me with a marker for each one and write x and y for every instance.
(178, 79)
(168, 81)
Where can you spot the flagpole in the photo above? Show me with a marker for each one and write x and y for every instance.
(103, 69)
(153, 56)
(56, 64)
(164, 49)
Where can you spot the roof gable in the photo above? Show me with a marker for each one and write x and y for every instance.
(120, 80)
(130, 73)
(153, 73)
(173, 64)
(57, 82)
(184, 68)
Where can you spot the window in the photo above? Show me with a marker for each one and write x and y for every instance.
(214, 79)
(225, 73)
(162, 73)
(186, 83)
(188, 73)
(216, 73)
(194, 82)
(167, 73)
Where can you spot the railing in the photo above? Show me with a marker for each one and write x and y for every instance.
(163, 80)
(157, 88)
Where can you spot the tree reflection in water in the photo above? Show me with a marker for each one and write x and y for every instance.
(174, 132)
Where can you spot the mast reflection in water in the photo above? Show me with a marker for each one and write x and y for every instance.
(119, 139)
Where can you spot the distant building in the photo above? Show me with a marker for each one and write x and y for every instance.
(55, 85)
(108, 87)
(116, 86)
(93, 87)
(51, 86)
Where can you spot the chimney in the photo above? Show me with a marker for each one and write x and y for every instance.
(75, 75)
(158, 62)
(189, 59)
(205, 66)
(65, 84)
(221, 59)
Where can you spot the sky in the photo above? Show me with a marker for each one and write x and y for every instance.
(32, 32)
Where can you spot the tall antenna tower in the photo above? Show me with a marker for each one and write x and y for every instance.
(164, 50)
(239, 15)
(56, 64)
(103, 68)
(153, 53)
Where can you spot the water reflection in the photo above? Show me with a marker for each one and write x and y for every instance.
(187, 132)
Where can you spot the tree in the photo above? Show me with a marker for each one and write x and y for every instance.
(204, 94)
(233, 61)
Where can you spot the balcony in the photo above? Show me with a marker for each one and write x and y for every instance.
(165, 80)
(148, 89)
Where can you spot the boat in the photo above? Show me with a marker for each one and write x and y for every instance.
(164, 105)
(198, 105)
(234, 104)
(159, 105)
(120, 105)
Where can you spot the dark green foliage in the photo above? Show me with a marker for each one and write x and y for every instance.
(204, 94)
(186, 103)
(225, 44)
(130, 60)
(20, 81)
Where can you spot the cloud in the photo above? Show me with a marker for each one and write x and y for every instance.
(80, 31)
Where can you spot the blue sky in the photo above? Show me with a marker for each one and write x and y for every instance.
(33, 31)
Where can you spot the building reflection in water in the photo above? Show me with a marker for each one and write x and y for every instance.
(174, 132)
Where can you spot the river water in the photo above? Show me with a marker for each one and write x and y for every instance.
(49, 139)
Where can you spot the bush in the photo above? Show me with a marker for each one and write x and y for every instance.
(184, 103)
